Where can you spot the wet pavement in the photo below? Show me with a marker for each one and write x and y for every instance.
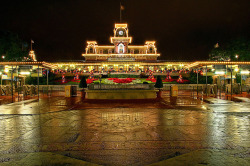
(173, 131)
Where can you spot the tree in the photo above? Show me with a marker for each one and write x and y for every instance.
(227, 51)
(201, 78)
(12, 47)
(238, 78)
(158, 83)
(83, 83)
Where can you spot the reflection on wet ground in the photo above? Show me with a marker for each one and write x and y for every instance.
(109, 134)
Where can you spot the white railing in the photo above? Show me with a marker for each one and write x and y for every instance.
(120, 86)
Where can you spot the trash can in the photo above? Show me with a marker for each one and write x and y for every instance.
(67, 91)
(174, 91)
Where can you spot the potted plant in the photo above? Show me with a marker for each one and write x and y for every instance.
(159, 85)
(83, 85)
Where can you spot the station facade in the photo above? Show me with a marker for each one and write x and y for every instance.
(121, 56)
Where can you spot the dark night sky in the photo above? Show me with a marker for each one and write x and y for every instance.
(183, 29)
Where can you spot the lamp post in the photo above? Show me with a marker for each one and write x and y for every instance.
(100, 79)
(197, 81)
(1, 78)
(206, 80)
(12, 95)
(231, 81)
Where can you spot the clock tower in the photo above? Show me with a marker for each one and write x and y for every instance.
(121, 39)
(120, 49)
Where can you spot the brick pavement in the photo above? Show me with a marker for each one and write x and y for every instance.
(68, 130)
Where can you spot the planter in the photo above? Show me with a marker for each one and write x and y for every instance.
(83, 94)
(121, 94)
(159, 93)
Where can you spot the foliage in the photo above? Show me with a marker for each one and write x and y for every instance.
(83, 83)
(158, 83)
(12, 47)
(228, 50)
(42, 80)
(143, 75)
(201, 79)
(238, 78)
(123, 76)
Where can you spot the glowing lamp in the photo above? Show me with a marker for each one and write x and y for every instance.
(219, 72)
(25, 73)
(245, 72)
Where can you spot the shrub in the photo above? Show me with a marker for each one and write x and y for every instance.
(83, 83)
(123, 76)
(201, 79)
(158, 83)
(143, 75)
(238, 78)
(145, 82)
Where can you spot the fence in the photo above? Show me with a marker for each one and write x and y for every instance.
(120, 86)
(188, 90)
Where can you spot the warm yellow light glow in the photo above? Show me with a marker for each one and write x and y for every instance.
(236, 69)
(6, 70)
(245, 72)
(121, 25)
(120, 54)
(91, 42)
(24, 73)
(219, 72)
(32, 55)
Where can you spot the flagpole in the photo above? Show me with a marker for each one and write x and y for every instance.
(31, 44)
(120, 12)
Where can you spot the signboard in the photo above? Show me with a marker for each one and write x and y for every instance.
(67, 91)
(5, 77)
(121, 59)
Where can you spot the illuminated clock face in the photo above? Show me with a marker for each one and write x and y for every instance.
(121, 33)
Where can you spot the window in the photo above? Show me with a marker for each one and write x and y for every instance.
(101, 51)
(150, 50)
(132, 51)
(91, 50)
(110, 51)
(121, 48)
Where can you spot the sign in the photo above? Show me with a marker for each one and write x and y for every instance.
(121, 59)
(5, 77)
(67, 91)
(174, 91)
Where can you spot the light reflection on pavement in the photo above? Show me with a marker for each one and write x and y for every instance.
(121, 136)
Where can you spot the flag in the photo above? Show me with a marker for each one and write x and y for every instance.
(122, 7)
(32, 41)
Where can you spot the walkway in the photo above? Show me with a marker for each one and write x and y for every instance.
(177, 131)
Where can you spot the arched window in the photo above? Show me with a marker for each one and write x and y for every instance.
(91, 50)
(121, 48)
(150, 50)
